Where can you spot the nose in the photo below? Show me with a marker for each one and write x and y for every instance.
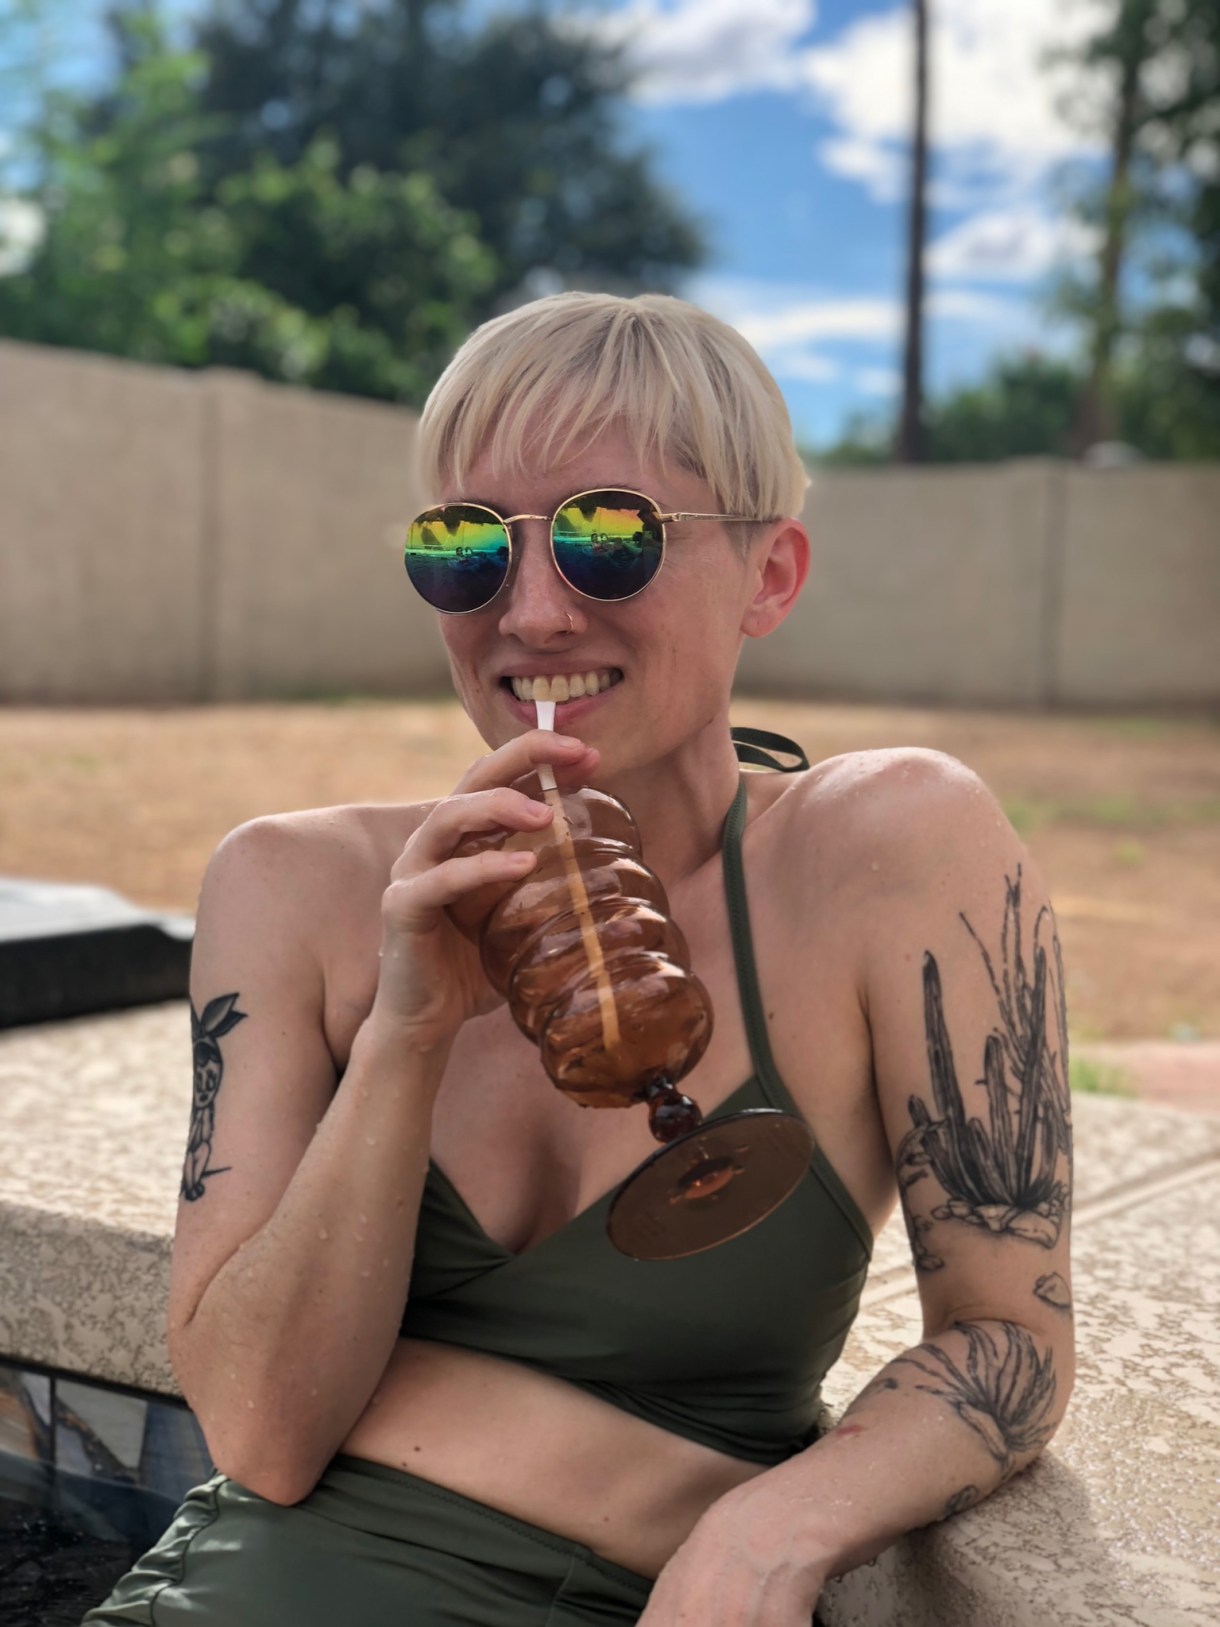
(539, 608)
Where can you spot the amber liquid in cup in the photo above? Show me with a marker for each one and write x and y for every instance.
(599, 977)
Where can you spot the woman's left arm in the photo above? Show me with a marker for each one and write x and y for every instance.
(962, 981)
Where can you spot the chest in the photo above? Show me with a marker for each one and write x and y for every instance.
(526, 1159)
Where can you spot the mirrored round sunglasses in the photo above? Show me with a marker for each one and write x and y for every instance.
(607, 544)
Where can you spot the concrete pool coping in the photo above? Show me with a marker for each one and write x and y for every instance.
(1116, 1523)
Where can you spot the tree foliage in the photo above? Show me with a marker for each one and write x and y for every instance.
(1149, 308)
(1026, 406)
(517, 121)
(281, 199)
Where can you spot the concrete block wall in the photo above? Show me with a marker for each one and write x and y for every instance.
(102, 524)
(171, 536)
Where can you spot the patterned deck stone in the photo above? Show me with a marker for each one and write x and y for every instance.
(1114, 1524)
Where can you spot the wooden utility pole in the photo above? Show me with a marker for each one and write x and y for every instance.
(909, 447)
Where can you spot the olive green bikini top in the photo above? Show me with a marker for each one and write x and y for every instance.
(728, 1348)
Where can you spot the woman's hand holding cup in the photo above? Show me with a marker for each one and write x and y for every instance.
(431, 980)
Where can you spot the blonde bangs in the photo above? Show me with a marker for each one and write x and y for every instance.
(540, 384)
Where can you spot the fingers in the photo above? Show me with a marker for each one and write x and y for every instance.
(486, 803)
(464, 814)
(522, 755)
(413, 901)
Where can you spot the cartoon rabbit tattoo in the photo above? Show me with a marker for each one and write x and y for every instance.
(219, 1016)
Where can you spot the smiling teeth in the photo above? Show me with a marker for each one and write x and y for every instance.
(562, 688)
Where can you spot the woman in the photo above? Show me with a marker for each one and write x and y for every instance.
(550, 1432)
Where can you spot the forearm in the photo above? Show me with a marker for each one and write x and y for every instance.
(935, 1431)
(291, 1336)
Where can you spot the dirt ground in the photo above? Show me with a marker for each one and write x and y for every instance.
(1121, 813)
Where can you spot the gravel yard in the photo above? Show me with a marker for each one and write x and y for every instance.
(1122, 813)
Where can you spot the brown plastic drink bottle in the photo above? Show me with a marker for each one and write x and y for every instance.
(594, 970)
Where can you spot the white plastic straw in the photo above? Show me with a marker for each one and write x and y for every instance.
(546, 720)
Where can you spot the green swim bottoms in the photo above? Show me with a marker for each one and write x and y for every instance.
(369, 1547)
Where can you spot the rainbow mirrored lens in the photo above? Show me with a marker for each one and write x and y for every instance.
(457, 556)
(608, 544)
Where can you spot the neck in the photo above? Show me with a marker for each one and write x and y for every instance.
(679, 802)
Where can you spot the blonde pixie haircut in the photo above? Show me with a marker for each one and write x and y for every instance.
(541, 383)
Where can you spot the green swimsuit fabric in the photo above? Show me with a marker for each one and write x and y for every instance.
(728, 1348)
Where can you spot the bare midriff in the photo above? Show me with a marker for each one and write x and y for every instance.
(542, 1451)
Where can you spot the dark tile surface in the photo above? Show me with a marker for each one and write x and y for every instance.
(89, 1479)
(52, 1571)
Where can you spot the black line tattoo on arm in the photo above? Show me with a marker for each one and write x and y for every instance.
(219, 1016)
(999, 1173)
(1003, 1389)
(960, 1501)
(1054, 1290)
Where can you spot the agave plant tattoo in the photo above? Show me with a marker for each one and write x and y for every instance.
(1005, 1395)
(1001, 1173)
(219, 1016)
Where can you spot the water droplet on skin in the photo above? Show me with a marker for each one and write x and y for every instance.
(250, 1404)
(323, 1233)
(372, 1140)
(874, 865)
(364, 1220)
(366, 1273)
(313, 1392)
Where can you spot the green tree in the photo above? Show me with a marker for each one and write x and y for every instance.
(1149, 308)
(1021, 407)
(364, 284)
(1027, 406)
(518, 119)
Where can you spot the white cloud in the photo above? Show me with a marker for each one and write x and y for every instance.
(705, 50)
(791, 326)
(809, 366)
(819, 318)
(996, 102)
(22, 226)
(885, 171)
(882, 381)
(1008, 245)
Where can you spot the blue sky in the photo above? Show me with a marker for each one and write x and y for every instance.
(783, 124)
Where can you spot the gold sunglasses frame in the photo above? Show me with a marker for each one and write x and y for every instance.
(507, 521)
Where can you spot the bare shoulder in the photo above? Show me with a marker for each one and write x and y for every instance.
(307, 857)
(893, 808)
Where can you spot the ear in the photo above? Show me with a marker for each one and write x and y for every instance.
(776, 574)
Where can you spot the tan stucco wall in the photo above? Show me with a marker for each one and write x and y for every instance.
(178, 536)
(102, 525)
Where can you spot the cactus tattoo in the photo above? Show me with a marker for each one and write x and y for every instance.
(999, 1172)
(219, 1016)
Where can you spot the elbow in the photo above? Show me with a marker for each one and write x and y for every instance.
(271, 1462)
(259, 1468)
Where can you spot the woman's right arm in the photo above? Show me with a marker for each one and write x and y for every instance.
(296, 1227)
